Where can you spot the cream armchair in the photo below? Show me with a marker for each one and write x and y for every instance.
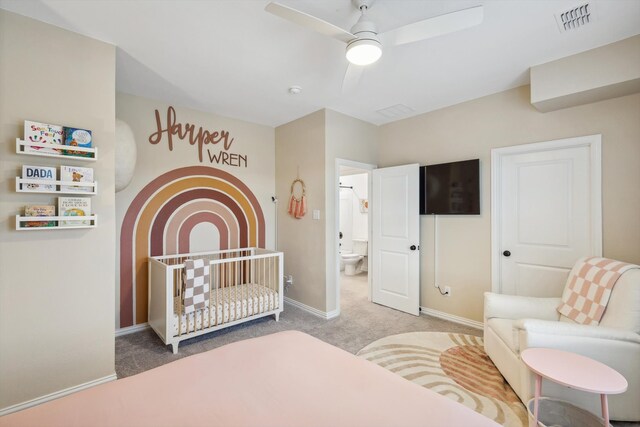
(514, 323)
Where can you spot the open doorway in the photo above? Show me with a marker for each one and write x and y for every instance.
(354, 232)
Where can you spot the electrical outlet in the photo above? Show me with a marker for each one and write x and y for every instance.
(447, 291)
(288, 281)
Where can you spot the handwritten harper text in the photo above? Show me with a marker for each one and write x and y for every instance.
(199, 137)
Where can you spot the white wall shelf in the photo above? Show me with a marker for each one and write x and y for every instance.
(22, 220)
(21, 184)
(21, 148)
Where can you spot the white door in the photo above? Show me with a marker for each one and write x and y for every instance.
(396, 238)
(548, 213)
(346, 221)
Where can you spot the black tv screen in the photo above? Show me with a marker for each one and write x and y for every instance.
(450, 188)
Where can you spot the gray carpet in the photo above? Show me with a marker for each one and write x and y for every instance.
(360, 323)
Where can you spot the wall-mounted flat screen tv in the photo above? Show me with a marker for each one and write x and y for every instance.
(450, 188)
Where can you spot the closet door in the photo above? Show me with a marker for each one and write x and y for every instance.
(546, 214)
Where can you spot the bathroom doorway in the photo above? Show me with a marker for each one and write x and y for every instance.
(354, 230)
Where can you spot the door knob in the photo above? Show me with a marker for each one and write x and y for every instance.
(413, 247)
(506, 253)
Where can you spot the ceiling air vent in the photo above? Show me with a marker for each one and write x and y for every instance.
(575, 18)
(395, 111)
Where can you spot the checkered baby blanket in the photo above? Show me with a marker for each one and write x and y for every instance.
(195, 287)
(588, 289)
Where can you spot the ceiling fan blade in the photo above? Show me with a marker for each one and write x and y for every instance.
(352, 78)
(309, 21)
(433, 27)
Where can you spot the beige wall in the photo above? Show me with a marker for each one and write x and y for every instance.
(254, 141)
(347, 139)
(300, 146)
(312, 144)
(56, 286)
(574, 80)
(471, 130)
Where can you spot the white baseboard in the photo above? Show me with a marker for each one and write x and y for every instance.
(131, 329)
(452, 318)
(56, 395)
(333, 314)
(311, 310)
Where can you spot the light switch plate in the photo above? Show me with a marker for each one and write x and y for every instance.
(316, 214)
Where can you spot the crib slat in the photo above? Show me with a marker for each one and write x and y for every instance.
(177, 280)
(235, 274)
(239, 274)
(217, 283)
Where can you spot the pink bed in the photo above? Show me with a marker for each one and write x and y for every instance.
(284, 379)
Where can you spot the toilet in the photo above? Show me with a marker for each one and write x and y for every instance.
(352, 261)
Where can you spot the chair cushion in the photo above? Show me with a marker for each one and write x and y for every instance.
(503, 328)
(623, 310)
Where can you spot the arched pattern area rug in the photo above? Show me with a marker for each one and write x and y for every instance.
(453, 365)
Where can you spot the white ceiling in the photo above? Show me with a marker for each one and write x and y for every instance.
(234, 59)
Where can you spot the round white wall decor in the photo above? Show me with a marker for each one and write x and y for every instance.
(126, 154)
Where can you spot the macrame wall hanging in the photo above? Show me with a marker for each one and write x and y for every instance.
(298, 200)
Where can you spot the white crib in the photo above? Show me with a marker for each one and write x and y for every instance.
(246, 284)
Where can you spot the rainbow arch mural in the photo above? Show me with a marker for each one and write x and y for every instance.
(161, 217)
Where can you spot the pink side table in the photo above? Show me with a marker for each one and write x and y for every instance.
(574, 371)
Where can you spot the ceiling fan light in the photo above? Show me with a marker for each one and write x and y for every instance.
(364, 51)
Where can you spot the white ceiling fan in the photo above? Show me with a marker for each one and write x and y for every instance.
(364, 43)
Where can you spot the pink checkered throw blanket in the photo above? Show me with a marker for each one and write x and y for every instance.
(195, 287)
(588, 289)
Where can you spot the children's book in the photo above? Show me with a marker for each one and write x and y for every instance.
(40, 210)
(43, 133)
(74, 206)
(77, 138)
(75, 174)
(39, 172)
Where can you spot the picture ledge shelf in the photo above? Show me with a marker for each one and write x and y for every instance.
(23, 219)
(21, 148)
(24, 181)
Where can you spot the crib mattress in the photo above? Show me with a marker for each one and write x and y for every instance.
(226, 305)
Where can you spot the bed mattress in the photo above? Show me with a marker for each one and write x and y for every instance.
(284, 379)
(227, 305)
